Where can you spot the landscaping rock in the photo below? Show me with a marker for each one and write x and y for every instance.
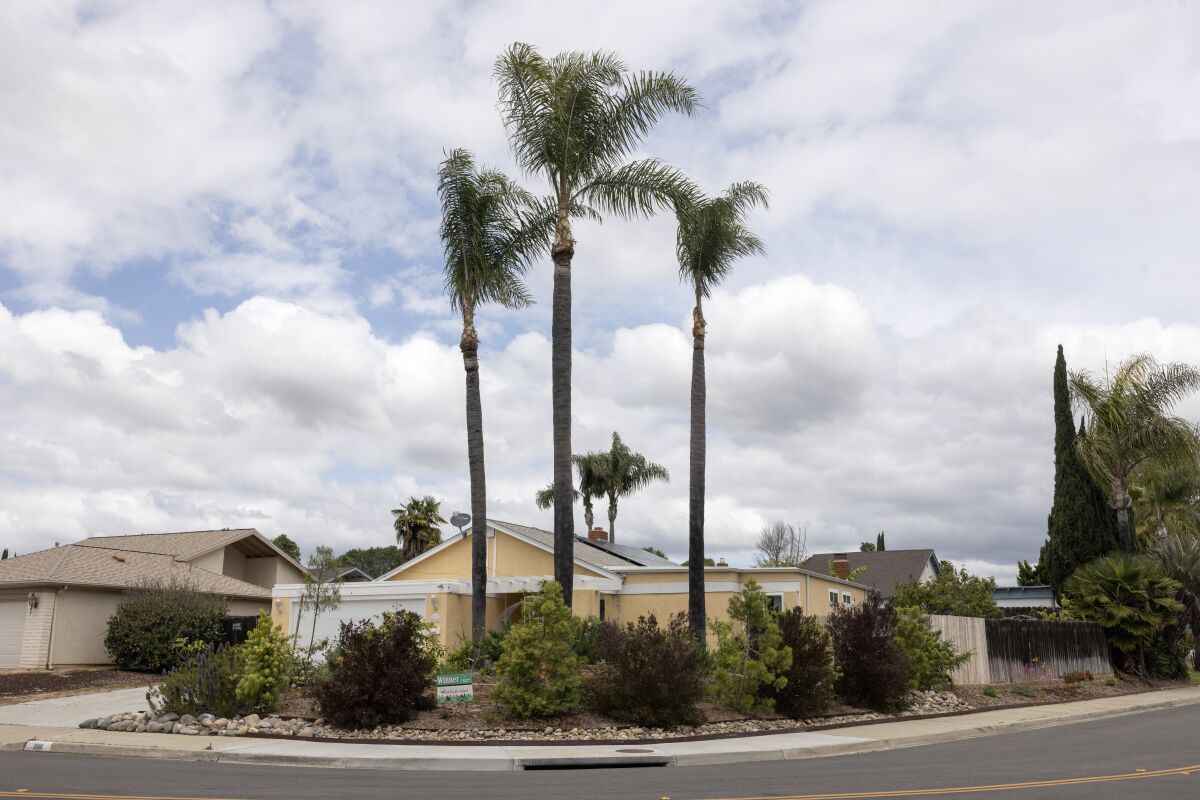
(252, 720)
(88, 723)
(187, 719)
(154, 727)
(170, 717)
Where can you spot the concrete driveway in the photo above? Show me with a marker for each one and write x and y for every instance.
(68, 712)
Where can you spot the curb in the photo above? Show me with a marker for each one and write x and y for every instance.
(660, 758)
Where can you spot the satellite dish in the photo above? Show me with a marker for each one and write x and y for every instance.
(459, 520)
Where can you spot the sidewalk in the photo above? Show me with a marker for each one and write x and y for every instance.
(774, 747)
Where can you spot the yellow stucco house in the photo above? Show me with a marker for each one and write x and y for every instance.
(612, 582)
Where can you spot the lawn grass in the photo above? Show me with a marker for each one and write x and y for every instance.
(1194, 677)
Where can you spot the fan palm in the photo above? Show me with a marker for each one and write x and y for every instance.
(1129, 596)
(574, 120)
(490, 230)
(587, 465)
(622, 472)
(1179, 558)
(1129, 423)
(712, 235)
(416, 526)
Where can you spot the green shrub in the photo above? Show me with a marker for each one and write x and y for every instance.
(810, 679)
(379, 674)
(751, 660)
(460, 660)
(873, 669)
(1111, 682)
(267, 654)
(205, 682)
(990, 691)
(491, 647)
(1130, 597)
(1078, 676)
(144, 631)
(538, 668)
(1166, 655)
(954, 591)
(930, 659)
(584, 638)
(649, 675)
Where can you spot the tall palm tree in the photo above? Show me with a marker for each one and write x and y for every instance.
(416, 525)
(1129, 423)
(621, 472)
(1179, 558)
(490, 231)
(574, 120)
(712, 235)
(587, 465)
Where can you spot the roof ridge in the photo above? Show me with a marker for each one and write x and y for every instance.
(164, 533)
(50, 572)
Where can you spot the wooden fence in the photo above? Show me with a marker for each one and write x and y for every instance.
(1001, 649)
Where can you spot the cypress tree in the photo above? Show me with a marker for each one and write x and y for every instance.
(1082, 525)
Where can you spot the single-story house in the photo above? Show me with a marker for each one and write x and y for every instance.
(612, 582)
(1024, 599)
(881, 570)
(55, 604)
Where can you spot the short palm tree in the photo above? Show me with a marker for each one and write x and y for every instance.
(574, 120)
(587, 465)
(1179, 559)
(416, 525)
(1129, 423)
(490, 231)
(712, 235)
(1130, 597)
(622, 472)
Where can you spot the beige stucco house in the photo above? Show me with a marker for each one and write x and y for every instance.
(55, 603)
(612, 582)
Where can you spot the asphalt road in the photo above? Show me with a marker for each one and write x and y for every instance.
(1137, 756)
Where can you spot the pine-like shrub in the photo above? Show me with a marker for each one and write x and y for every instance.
(811, 678)
(378, 674)
(538, 667)
(647, 674)
(751, 660)
(930, 658)
(205, 682)
(144, 632)
(267, 654)
(873, 670)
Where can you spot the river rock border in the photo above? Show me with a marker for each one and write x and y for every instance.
(921, 704)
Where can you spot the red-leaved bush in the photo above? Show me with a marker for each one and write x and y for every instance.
(874, 669)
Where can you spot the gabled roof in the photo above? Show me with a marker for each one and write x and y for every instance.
(884, 568)
(190, 545)
(586, 556)
(116, 568)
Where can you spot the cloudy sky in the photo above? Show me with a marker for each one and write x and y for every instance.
(220, 293)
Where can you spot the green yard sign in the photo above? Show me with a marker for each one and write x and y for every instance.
(455, 687)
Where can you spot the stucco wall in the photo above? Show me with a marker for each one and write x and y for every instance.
(213, 562)
(234, 564)
(261, 571)
(35, 641)
(247, 608)
(80, 622)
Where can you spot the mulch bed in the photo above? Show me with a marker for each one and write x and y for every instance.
(18, 687)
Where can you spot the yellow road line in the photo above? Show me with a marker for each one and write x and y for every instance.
(995, 787)
(65, 796)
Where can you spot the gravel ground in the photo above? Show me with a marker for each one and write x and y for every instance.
(18, 687)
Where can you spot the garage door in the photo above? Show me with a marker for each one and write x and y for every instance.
(329, 622)
(12, 632)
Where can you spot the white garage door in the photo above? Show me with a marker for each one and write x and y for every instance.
(372, 608)
(12, 631)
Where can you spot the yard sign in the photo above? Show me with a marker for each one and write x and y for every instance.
(455, 687)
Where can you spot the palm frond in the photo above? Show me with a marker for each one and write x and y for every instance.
(639, 188)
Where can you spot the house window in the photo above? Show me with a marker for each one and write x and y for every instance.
(601, 609)
(847, 600)
(776, 602)
(833, 598)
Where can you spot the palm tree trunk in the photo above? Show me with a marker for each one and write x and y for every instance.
(588, 516)
(475, 463)
(1124, 529)
(560, 381)
(696, 462)
(612, 517)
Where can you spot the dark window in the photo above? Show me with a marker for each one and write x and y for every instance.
(601, 608)
(776, 603)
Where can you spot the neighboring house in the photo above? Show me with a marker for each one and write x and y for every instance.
(55, 604)
(349, 575)
(1024, 599)
(612, 582)
(884, 569)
